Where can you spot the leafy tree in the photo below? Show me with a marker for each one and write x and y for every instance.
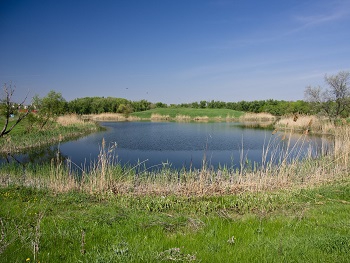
(125, 109)
(9, 109)
(141, 105)
(161, 105)
(195, 105)
(49, 107)
(333, 101)
(202, 104)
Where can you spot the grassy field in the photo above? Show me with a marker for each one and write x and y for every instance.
(300, 225)
(189, 112)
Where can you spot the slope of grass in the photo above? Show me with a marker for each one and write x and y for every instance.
(192, 113)
(310, 225)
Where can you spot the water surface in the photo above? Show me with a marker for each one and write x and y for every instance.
(188, 144)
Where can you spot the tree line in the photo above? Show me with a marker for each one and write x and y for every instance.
(96, 105)
(332, 101)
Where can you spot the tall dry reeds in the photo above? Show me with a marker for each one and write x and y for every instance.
(183, 118)
(108, 116)
(305, 123)
(70, 119)
(159, 117)
(258, 117)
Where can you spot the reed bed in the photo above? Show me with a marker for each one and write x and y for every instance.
(111, 117)
(202, 118)
(306, 124)
(71, 119)
(183, 118)
(278, 170)
(159, 117)
(257, 117)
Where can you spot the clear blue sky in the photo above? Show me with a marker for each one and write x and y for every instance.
(173, 51)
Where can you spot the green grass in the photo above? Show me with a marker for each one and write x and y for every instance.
(173, 112)
(310, 225)
(19, 129)
(19, 139)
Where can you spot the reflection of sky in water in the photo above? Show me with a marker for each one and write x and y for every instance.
(185, 144)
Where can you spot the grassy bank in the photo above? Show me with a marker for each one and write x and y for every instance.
(298, 225)
(66, 127)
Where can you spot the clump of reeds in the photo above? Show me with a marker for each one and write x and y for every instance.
(109, 116)
(305, 123)
(201, 118)
(71, 119)
(159, 117)
(342, 146)
(181, 118)
(257, 117)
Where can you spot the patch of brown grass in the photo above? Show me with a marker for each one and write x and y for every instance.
(259, 117)
(184, 118)
(305, 123)
(70, 119)
(201, 118)
(159, 117)
(108, 116)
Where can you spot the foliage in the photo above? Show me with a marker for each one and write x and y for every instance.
(334, 101)
(97, 105)
(48, 108)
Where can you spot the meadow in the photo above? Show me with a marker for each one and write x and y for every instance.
(289, 212)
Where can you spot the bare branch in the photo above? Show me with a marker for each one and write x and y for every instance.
(7, 108)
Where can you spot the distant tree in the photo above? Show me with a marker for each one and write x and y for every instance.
(195, 105)
(334, 101)
(202, 104)
(141, 105)
(161, 105)
(125, 109)
(9, 109)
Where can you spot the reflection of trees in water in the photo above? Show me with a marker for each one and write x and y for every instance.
(36, 156)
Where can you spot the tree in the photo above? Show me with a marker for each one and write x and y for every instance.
(49, 107)
(9, 109)
(334, 101)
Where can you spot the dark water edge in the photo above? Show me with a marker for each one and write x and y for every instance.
(179, 145)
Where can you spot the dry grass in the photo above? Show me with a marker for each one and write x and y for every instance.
(305, 124)
(201, 118)
(71, 119)
(111, 117)
(158, 117)
(183, 118)
(259, 117)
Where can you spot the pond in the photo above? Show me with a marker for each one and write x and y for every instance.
(178, 145)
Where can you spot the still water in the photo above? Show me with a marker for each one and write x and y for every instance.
(179, 145)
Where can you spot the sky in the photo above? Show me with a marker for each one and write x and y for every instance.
(172, 51)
